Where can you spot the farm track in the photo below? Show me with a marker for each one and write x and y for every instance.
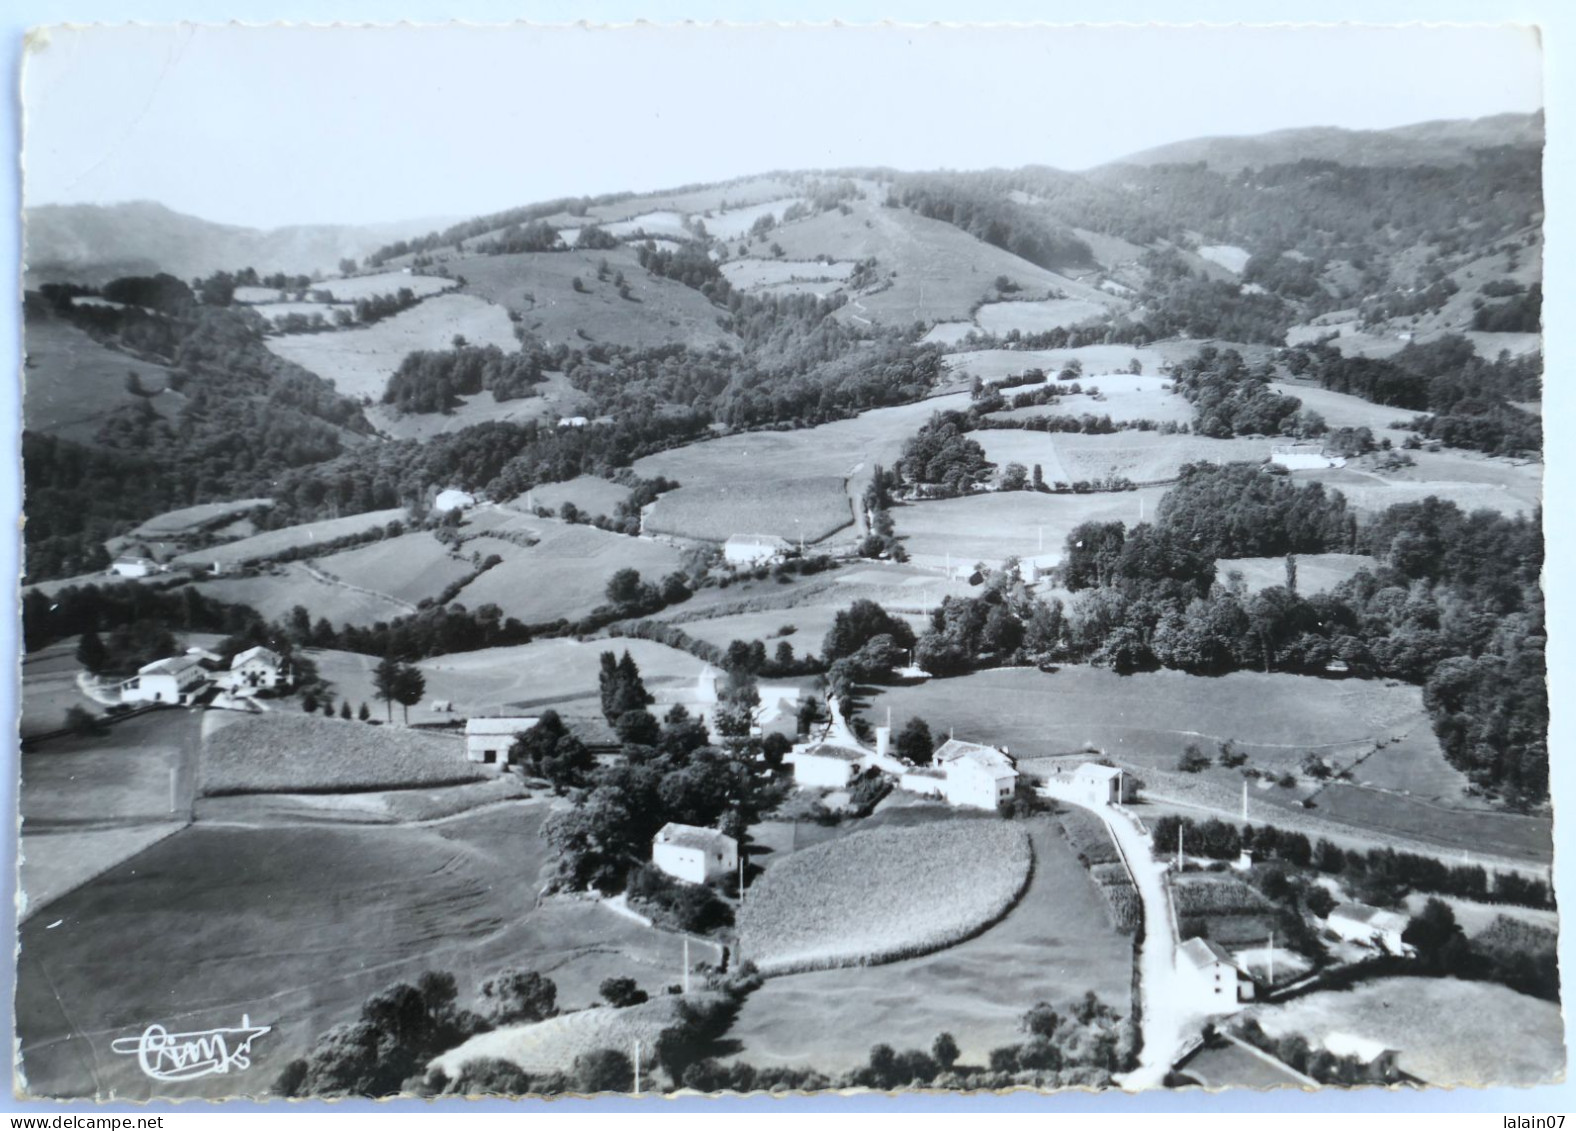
(325, 578)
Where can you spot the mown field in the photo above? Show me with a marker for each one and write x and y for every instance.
(407, 568)
(1145, 456)
(1054, 945)
(1123, 397)
(1470, 480)
(192, 518)
(1449, 1033)
(384, 283)
(360, 361)
(212, 923)
(769, 274)
(882, 895)
(289, 751)
(273, 542)
(539, 285)
(1004, 524)
(592, 494)
(71, 384)
(797, 509)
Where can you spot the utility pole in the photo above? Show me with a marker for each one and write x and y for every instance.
(637, 1066)
(1179, 847)
(1244, 801)
(686, 965)
(1272, 958)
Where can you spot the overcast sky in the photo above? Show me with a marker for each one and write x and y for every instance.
(271, 126)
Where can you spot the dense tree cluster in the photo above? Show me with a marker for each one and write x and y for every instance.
(434, 380)
(992, 217)
(941, 457)
(1230, 398)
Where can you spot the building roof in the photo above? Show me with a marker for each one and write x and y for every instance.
(267, 655)
(1375, 917)
(692, 836)
(1096, 770)
(830, 750)
(771, 540)
(955, 750)
(1234, 1063)
(1364, 1049)
(509, 724)
(924, 772)
(1202, 953)
(173, 665)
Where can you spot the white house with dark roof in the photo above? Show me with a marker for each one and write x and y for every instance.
(977, 776)
(694, 854)
(488, 740)
(1370, 926)
(1208, 979)
(754, 549)
(176, 680)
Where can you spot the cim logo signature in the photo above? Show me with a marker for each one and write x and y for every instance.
(186, 1056)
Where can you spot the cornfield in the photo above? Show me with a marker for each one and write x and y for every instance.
(884, 895)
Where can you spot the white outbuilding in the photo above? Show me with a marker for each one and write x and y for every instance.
(1099, 785)
(754, 549)
(257, 669)
(1208, 979)
(694, 854)
(977, 776)
(176, 680)
(825, 764)
(1370, 926)
(488, 740)
(453, 499)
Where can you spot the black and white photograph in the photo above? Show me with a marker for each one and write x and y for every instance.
(696, 559)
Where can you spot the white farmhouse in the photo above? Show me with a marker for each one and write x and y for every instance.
(257, 669)
(977, 776)
(488, 740)
(1208, 981)
(175, 680)
(1370, 926)
(1099, 785)
(453, 499)
(694, 854)
(133, 567)
(754, 549)
(825, 764)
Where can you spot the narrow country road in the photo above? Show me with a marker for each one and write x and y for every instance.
(1163, 1024)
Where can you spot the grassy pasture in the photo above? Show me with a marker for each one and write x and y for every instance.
(407, 568)
(527, 676)
(566, 574)
(659, 223)
(991, 365)
(272, 310)
(811, 623)
(296, 931)
(1449, 1033)
(1033, 317)
(275, 593)
(539, 287)
(949, 333)
(1470, 480)
(552, 1045)
(1054, 946)
(1148, 718)
(288, 751)
(1123, 397)
(1147, 456)
(71, 383)
(262, 546)
(809, 508)
(188, 519)
(360, 361)
(1002, 524)
(548, 403)
(592, 494)
(1342, 410)
(735, 194)
(385, 283)
(882, 895)
(1316, 573)
(755, 274)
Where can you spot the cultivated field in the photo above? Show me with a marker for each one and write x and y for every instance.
(271, 543)
(288, 751)
(1003, 524)
(539, 286)
(407, 568)
(883, 895)
(809, 509)
(552, 1045)
(1055, 941)
(1032, 317)
(277, 592)
(296, 931)
(1449, 1033)
(70, 383)
(1316, 573)
(360, 361)
(386, 283)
